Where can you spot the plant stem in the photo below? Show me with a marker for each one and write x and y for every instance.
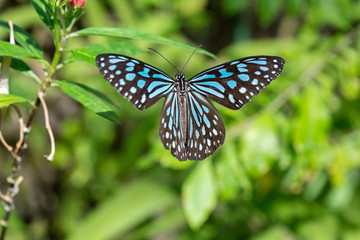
(14, 180)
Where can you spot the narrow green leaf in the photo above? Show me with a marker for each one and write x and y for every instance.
(199, 194)
(134, 34)
(131, 205)
(8, 49)
(89, 53)
(43, 8)
(88, 99)
(21, 66)
(24, 39)
(6, 99)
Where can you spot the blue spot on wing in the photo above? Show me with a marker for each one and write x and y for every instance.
(161, 91)
(206, 76)
(155, 84)
(242, 70)
(258, 62)
(224, 73)
(160, 76)
(255, 82)
(204, 89)
(115, 60)
(231, 84)
(212, 84)
(206, 109)
(206, 120)
(145, 73)
(191, 129)
(244, 77)
(112, 67)
(141, 83)
(130, 76)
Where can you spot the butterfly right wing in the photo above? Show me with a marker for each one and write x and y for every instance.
(206, 130)
(233, 84)
(140, 82)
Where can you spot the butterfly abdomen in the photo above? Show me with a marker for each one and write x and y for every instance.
(183, 116)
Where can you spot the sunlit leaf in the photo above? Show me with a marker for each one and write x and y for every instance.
(45, 12)
(88, 99)
(134, 34)
(199, 195)
(7, 49)
(7, 99)
(89, 53)
(24, 39)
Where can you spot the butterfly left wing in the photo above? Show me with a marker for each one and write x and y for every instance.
(170, 130)
(140, 82)
(234, 83)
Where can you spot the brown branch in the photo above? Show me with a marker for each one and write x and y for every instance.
(2, 139)
(49, 157)
(21, 129)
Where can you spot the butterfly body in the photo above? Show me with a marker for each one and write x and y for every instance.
(189, 123)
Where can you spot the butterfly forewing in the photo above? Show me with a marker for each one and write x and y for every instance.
(170, 129)
(206, 131)
(139, 82)
(234, 83)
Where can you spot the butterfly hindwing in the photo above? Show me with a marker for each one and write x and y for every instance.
(234, 83)
(170, 130)
(206, 131)
(141, 83)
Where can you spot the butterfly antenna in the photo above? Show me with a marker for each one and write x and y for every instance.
(164, 58)
(190, 57)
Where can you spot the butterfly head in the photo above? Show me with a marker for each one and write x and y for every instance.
(181, 83)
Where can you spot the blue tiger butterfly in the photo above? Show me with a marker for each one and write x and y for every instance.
(189, 123)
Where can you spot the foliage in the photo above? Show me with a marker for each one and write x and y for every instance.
(289, 165)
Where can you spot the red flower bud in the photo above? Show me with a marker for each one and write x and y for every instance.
(77, 3)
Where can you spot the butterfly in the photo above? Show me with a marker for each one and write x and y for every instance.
(189, 123)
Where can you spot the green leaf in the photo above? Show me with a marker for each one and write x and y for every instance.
(199, 194)
(134, 34)
(129, 206)
(8, 49)
(89, 53)
(24, 39)
(7, 99)
(88, 99)
(44, 10)
(21, 66)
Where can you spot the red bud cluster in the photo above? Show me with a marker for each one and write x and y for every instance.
(77, 3)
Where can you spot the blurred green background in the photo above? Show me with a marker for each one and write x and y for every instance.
(289, 168)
